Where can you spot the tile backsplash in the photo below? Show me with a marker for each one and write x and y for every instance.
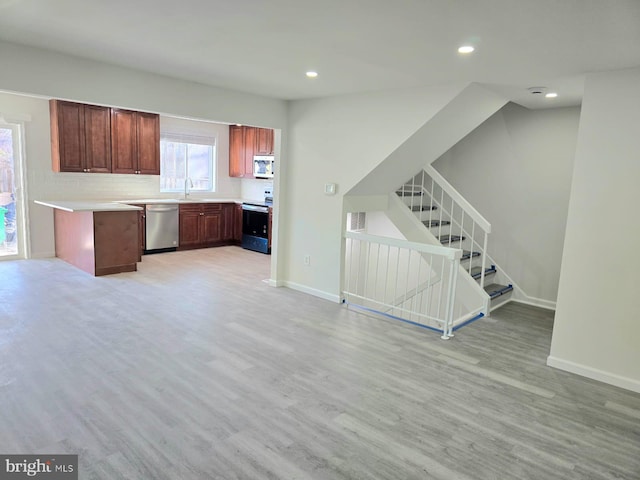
(253, 189)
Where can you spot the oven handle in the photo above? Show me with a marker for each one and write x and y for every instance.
(255, 208)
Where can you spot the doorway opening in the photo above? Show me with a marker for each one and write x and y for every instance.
(10, 162)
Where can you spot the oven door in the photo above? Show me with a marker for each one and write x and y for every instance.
(255, 228)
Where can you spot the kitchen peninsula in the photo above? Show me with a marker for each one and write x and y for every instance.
(100, 238)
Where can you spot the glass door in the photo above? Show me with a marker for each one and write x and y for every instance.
(10, 233)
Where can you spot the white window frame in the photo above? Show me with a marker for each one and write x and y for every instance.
(210, 141)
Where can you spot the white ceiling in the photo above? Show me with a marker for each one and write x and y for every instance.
(266, 46)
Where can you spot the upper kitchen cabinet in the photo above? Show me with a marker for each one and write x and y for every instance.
(244, 143)
(135, 142)
(80, 137)
(264, 141)
(241, 147)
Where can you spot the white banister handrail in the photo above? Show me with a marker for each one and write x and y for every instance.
(459, 199)
(448, 253)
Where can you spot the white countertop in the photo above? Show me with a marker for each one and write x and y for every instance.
(123, 205)
(86, 206)
(179, 200)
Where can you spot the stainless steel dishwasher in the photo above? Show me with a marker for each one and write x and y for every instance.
(162, 227)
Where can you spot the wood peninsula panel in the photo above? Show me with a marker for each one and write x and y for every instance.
(116, 242)
(99, 243)
(74, 239)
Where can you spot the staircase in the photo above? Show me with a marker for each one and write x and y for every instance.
(449, 223)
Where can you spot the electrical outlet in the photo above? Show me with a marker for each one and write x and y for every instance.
(307, 259)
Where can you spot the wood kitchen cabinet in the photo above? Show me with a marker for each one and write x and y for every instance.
(135, 142)
(205, 225)
(212, 222)
(241, 150)
(142, 229)
(237, 224)
(264, 141)
(90, 138)
(80, 137)
(228, 222)
(100, 242)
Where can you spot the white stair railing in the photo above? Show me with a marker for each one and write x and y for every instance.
(429, 189)
(412, 281)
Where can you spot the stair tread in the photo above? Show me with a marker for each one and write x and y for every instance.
(409, 193)
(450, 238)
(466, 254)
(422, 208)
(435, 223)
(495, 289)
(475, 271)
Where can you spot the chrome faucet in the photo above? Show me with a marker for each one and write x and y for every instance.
(187, 184)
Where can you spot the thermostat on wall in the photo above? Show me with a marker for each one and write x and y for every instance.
(329, 188)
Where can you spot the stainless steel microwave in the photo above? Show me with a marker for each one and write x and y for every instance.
(263, 166)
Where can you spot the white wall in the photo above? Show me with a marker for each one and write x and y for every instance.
(597, 328)
(38, 72)
(340, 140)
(515, 169)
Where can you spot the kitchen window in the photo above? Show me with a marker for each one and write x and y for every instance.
(184, 158)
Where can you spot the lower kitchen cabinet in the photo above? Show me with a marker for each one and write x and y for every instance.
(229, 230)
(141, 229)
(205, 225)
(237, 224)
(212, 223)
(100, 242)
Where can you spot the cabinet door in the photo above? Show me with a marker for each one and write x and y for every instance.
(264, 141)
(212, 222)
(249, 148)
(123, 141)
(141, 229)
(237, 223)
(97, 132)
(236, 151)
(67, 136)
(228, 223)
(148, 141)
(190, 225)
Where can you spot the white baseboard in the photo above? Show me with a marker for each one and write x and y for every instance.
(312, 291)
(536, 302)
(594, 374)
(273, 283)
(43, 255)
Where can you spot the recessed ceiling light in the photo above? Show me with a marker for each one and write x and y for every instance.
(312, 74)
(466, 49)
(551, 95)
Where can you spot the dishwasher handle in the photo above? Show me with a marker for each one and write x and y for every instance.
(162, 208)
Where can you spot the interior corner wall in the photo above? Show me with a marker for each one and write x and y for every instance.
(340, 140)
(516, 169)
(597, 328)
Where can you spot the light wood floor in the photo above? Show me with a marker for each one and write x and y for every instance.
(193, 368)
